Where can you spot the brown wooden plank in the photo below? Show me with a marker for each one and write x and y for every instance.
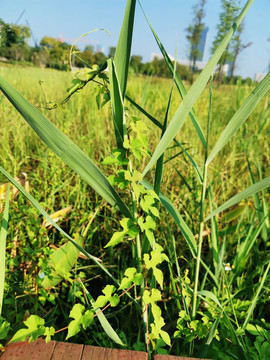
(67, 351)
(93, 352)
(37, 350)
(99, 353)
(112, 354)
(132, 355)
(170, 357)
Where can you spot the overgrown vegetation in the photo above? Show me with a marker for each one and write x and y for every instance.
(180, 251)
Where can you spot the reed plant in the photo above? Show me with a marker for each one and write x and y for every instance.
(190, 271)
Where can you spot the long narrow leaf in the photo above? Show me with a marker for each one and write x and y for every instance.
(259, 208)
(240, 116)
(210, 295)
(117, 105)
(245, 249)
(3, 237)
(194, 92)
(178, 82)
(160, 162)
(62, 146)
(254, 301)
(211, 335)
(102, 319)
(122, 52)
(144, 112)
(253, 189)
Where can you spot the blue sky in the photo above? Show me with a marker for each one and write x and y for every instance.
(169, 18)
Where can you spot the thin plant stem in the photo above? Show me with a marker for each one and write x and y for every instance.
(202, 206)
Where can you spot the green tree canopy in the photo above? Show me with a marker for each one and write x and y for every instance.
(230, 9)
(11, 35)
(194, 32)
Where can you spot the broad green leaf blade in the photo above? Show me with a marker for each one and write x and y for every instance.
(210, 295)
(194, 92)
(122, 52)
(43, 212)
(62, 146)
(232, 214)
(60, 263)
(178, 82)
(177, 218)
(253, 189)
(240, 116)
(102, 319)
(3, 237)
(117, 105)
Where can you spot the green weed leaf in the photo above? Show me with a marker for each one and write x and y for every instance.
(128, 229)
(158, 333)
(4, 329)
(35, 329)
(81, 319)
(118, 157)
(151, 298)
(131, 276)
(157, 257)
(49, 332)
(108, 296)
(148, 205)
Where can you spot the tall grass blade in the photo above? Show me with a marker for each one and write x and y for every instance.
(185, 230)
(122, 52)
(213, 329)
(194, 92)
(160, 162)
(62, 146)
(117, 105)
(193, 163)
(208, 271)
(144, 112)
(102, 319)
(264, 199)
(157, 123)
(259, 208)
(240, 116)
(244, 250)
(263, 119)
(211, 335)
(253, 189)
(178, 82)
(44, 213)
(3, 237)
(254, 301)
(214, 240)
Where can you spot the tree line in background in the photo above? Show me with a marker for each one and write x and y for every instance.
(54, 53)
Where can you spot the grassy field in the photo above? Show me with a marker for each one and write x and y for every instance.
(244, 160)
